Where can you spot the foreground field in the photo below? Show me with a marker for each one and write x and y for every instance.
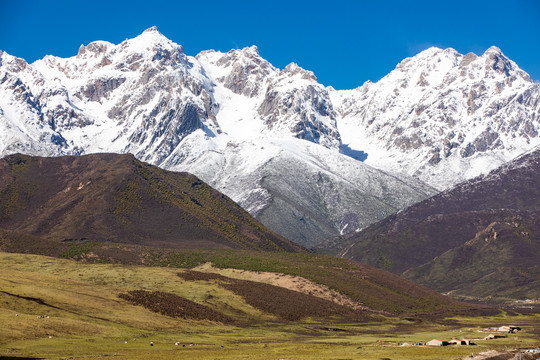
(53, 308)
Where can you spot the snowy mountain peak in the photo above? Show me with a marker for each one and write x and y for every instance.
(431, 53)
(429, 58)
(142, 96)
(252, 50)
(154, 42)
(293, 69)
(496, 61)
(12, 63)
(439, 116)
(93, 50)
(243, 71)
(434, 55)
(152, 29)
(493, 50)
(81, 51)
(456, 115)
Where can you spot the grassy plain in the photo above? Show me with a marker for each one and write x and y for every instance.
(58, 309)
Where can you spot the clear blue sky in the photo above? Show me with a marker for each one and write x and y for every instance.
(343, 42)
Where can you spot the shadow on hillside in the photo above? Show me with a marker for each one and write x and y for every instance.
(355, 154)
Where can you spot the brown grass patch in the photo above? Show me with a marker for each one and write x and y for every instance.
(191, 275)
(173, 305)
(284, 303)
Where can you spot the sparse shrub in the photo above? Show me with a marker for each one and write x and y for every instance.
(173, 305)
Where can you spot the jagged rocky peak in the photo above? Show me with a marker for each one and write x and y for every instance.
(427, 69)
(467, 59)
(496, 61)
(494, 50)
(153, 45)
(144, 95)
(152, 29)
(492, 65)
(433, 53)
(430, 58)
(150, 46)
(252, 51)
(95, 48)
(293, 69)
(435, 64)
(12, 63)
(81, 51)
(152, 39)
(443, 117)
(242, 71)
(298, 104)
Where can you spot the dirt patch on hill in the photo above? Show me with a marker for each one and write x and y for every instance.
(284, 303)
(295, 283)
(173, 305)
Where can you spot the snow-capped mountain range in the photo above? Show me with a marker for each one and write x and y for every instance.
(443, 117)
(276, 141)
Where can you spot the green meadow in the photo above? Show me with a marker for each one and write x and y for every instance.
(54, 308)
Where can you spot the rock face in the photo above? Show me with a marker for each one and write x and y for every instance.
(306, 101)
(443, 117)
(142, 96)
(244, 72)
(284, 103)
(440, 117)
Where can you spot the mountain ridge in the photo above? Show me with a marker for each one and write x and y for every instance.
(469, 113)
(478, 239)
(116, 198)
(145, 96)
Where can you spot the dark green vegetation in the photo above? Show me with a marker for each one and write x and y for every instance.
(116, 198)
(284, 303)
(173, 305)
(480, 240)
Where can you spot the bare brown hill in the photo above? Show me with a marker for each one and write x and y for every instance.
(480, 239)
(116, 198)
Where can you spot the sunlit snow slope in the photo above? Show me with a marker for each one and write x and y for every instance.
(443, 117)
